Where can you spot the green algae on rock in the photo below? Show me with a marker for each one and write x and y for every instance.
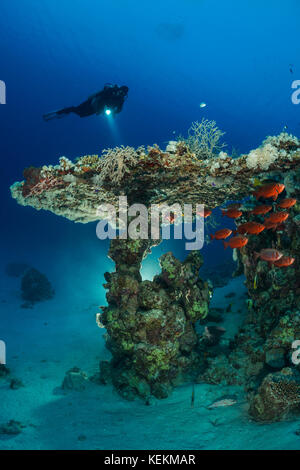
(150, 325)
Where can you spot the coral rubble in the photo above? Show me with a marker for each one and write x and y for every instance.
(75, 379)
(11, 428)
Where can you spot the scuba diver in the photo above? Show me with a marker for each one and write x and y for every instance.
(110, 100)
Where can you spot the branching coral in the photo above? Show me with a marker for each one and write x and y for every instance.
(204, 139)
(117, 162)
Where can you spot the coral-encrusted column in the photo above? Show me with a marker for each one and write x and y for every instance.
(261, 355)
(150, 324)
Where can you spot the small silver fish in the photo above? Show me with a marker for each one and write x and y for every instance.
(221, 403)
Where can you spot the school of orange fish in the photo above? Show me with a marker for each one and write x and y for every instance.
(273, 221)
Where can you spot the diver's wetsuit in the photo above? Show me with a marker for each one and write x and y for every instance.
(111, 97)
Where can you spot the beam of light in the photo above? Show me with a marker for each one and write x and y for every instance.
(112, 126)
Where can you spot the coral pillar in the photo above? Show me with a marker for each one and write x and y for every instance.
(151, 324)
(261, 355)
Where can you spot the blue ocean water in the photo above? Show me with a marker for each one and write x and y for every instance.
(240, 58)
(233, 56)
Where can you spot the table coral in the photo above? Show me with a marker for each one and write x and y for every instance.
(151, 324)
(149, 177)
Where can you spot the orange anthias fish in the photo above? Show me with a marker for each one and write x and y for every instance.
(268, 254)
(221, 234)
(276, 218)
(279, 228)
(261, 210)
(232, 213)
(270, 225)
(171, 218)
(269, 190)
(274, 227)
(284, 262)
(252, 228)
(287, 203)
(236, 242)
(205, 213)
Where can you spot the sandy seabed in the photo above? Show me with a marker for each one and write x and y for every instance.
(46, 341)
